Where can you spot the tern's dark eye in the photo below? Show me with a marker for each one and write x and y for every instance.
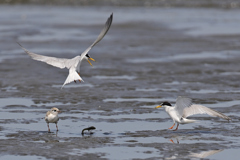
(87, 56)
(55, 110)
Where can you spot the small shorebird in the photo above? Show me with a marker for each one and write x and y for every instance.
(52, 117)
(184, 108)
(72, 64)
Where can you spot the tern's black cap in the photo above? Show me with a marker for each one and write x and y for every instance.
(166, 104)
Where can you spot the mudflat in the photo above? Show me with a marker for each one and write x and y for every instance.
(150, 54)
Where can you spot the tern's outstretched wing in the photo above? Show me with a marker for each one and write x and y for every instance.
(182, 103)
(199, 109)
(73, 75)
(56, 62)
(100, 37)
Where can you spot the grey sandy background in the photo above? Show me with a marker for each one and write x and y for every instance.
(153, 52)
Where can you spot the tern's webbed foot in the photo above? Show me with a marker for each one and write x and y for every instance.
(176, 128)
(172, 126)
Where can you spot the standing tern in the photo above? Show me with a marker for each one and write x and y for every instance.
(184, 108)
(72, 64)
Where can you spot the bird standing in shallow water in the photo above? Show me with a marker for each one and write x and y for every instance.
(72, 64)
(184, 108)
(52, 117)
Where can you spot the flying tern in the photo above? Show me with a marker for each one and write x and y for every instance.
(184, 108)
(72, 64)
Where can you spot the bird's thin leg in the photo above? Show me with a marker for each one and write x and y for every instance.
(176, 128)
(56, 126)
(172, 126)
(48, 128)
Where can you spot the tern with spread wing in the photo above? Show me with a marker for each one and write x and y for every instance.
(184, 108)
(72, 64)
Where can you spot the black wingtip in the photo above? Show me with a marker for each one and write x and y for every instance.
(111, 17)
(22, 47)
(19, 44)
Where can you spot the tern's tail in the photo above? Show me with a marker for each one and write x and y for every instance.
(185, 120)
(72, 76)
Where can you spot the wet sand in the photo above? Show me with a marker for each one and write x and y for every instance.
(148, 56)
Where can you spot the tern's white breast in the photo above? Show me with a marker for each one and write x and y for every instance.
(52, 118)
(173, 114)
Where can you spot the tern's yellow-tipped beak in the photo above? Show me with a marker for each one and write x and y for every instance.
(158, 107)
(92, 59)
(90, 62)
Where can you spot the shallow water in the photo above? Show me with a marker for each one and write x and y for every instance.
(149, 55)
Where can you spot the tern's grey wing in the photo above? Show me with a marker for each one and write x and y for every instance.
(182, 103)
(199, 109)
(56, 62)
(100, 37)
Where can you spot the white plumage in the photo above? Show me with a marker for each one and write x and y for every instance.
(184, 108)
(72, 64)
(52, 117)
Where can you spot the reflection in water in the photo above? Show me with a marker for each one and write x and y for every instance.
(50, 137)
(202, 154)
(173, 141)
(205, 154)
(52, 133)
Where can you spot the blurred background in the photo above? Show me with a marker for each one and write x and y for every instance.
(143, 3)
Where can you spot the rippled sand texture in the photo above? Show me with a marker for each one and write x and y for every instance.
(150, 54)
